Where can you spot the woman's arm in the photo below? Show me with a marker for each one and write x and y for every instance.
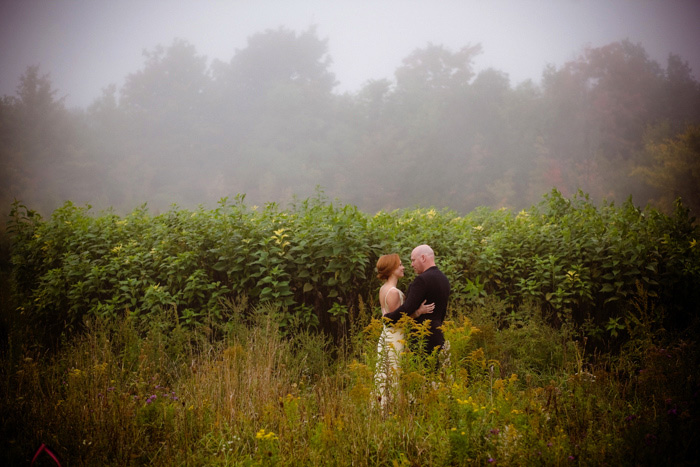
(423, 309)
(393, 300)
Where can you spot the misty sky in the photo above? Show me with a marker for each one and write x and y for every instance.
(87, 44)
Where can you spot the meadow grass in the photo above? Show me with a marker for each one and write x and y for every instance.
(138, 391)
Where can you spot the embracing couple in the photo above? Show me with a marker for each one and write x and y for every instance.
(425, 299)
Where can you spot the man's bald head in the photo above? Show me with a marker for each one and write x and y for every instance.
(422, 258)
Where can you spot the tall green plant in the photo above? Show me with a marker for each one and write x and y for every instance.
(582, 263)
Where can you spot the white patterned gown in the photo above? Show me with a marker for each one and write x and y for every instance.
(390, 346)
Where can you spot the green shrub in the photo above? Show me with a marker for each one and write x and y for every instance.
(580, 263)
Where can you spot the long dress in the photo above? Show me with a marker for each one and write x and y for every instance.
(389, 347)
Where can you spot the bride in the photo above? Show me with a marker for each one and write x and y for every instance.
(391, 341)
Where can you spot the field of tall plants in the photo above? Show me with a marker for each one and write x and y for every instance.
(247, 335)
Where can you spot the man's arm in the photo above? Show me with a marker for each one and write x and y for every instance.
(414, 298)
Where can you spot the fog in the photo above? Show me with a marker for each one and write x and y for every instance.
(382, 104)
(86, 45)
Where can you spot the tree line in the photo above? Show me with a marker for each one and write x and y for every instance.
(268, 124)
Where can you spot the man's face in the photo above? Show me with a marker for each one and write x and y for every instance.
(417, 262)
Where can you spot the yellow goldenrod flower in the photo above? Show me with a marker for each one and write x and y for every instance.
(265, 435)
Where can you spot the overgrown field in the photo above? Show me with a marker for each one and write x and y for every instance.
(248, 335)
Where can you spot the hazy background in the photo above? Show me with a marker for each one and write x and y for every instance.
(86, 45)
(383, 104)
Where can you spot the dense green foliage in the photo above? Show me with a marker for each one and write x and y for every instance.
(315, 259)
(248, 336)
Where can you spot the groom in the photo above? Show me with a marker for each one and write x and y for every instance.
(430, 285)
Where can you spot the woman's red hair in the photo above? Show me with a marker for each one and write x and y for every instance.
(386, 264)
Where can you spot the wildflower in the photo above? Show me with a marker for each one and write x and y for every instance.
(265, 435)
